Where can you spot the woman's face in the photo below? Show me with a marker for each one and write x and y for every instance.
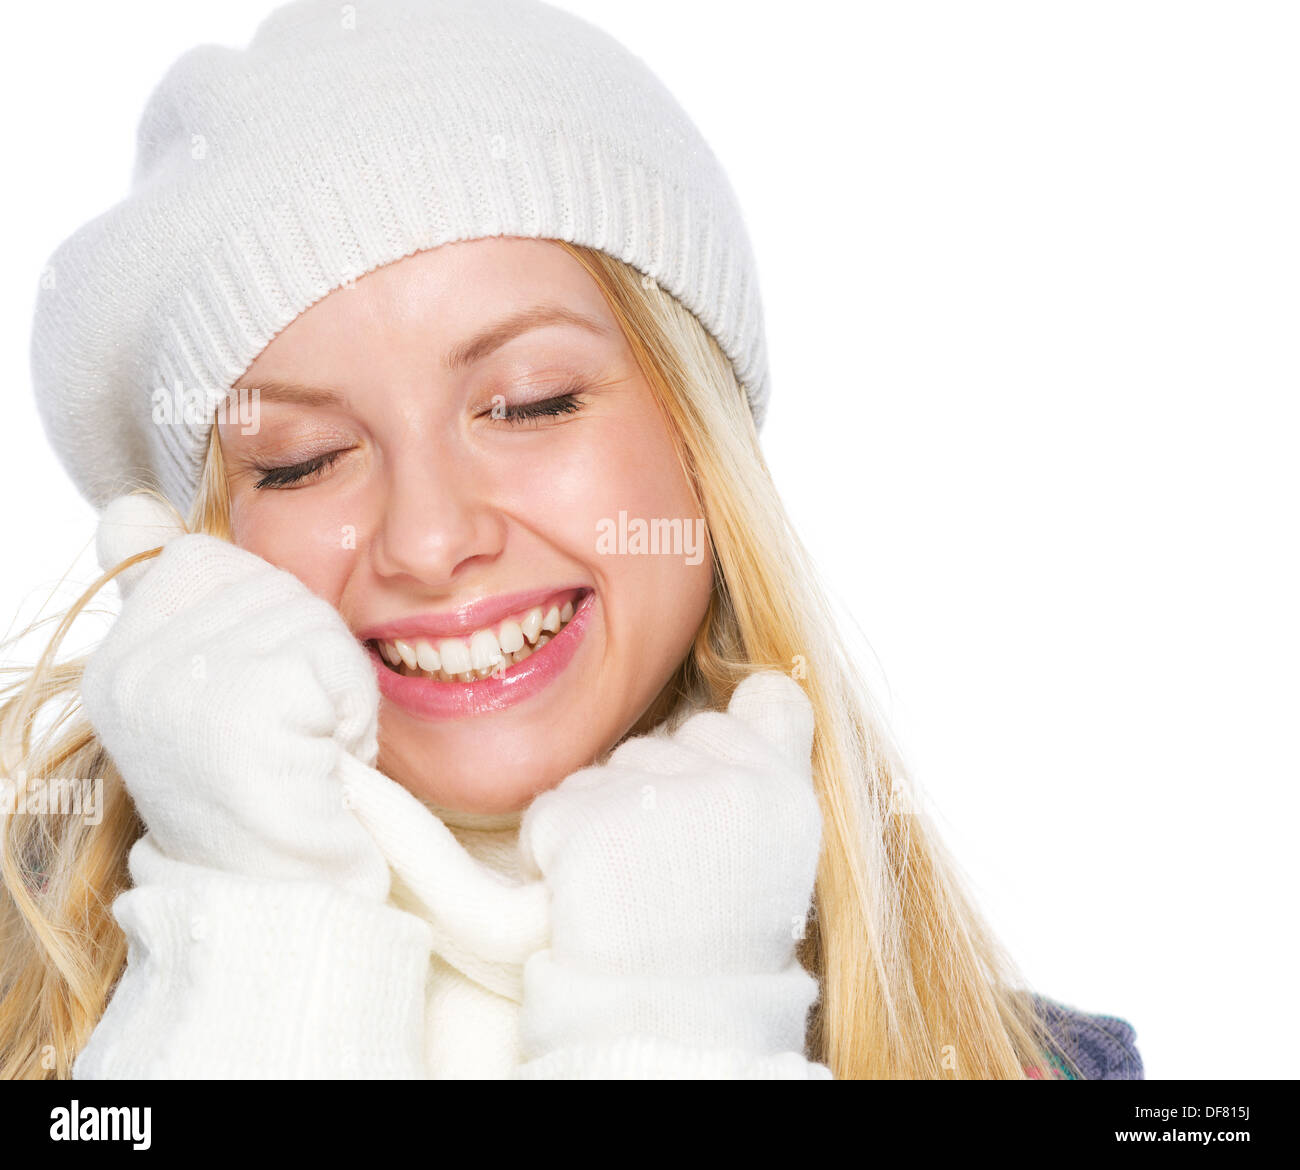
(475, 433)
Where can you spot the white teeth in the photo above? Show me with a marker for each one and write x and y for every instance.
(532, 624)
(484, 650)
(511, 636)
(454, 655)
(485, 654)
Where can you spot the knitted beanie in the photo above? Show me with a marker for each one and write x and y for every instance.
(344, 137)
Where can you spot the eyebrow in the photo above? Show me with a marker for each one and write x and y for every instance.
(537, 317)
(271, 390)
(463, 355)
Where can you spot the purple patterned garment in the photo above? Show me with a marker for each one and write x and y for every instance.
(1104, 1047)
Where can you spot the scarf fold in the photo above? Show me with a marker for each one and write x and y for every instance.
(460, 873)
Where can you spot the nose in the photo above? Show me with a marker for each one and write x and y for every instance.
(436, 520)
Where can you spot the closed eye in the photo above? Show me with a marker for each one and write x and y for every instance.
(280, 477)
(570, 401)
(561, 404)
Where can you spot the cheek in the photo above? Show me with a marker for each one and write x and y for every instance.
(569, 486)
(317, 544)
(571, 495)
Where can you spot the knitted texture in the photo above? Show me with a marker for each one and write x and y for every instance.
(681, 874)
(343, 138)
(233, 976)
(130, 525)
(228, 695)
(237, 977)
(1103, 1047)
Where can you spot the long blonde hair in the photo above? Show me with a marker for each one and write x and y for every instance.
(913, 983)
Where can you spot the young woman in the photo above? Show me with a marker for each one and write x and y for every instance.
(473, 709)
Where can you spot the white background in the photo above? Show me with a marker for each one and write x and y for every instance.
(1032, 274)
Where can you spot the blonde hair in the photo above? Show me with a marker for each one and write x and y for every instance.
(913, 983)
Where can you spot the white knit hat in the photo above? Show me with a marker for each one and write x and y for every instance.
(345, 137)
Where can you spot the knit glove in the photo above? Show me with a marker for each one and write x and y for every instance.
(681, 873)
(240, 711)
(228, 695)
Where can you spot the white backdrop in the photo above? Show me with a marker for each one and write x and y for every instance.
(1032, 274)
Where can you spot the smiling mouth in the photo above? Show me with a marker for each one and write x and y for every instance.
(485, 653)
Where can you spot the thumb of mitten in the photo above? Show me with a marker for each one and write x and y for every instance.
(133, 524)
(775, 707)
(350, 680)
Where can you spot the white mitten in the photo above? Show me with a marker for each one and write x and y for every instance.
(132, 524)
(239, 709)
(227, 694)
(681, 873)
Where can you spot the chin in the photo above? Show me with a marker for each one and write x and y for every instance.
(477, 800)
(490, 783)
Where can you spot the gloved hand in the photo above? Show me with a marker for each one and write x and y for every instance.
(133, 524)
(229, 696)
(681, 873)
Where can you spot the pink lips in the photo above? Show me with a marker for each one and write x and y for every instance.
(431, 699)
(467, 619)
